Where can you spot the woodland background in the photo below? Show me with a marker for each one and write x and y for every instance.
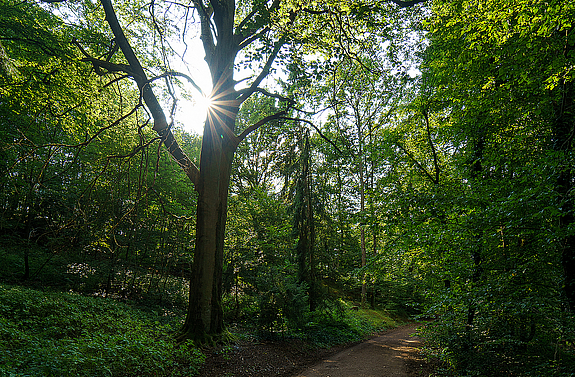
(423, 167)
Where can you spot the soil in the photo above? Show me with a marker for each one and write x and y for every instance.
(391, 353)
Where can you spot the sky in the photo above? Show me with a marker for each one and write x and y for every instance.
(191, 113)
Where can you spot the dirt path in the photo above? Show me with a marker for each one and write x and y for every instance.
(385, 355)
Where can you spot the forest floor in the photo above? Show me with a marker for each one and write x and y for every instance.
(391, 353)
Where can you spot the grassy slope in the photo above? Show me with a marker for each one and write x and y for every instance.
(65, 334)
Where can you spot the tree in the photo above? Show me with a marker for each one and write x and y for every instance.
(211, 180)
(304, 224)
(495, 76)
(226, 30)
(44, 93)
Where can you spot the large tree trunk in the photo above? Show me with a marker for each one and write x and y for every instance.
(205, 313)
(563, 129)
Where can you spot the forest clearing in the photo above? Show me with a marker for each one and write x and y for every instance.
(220, 187)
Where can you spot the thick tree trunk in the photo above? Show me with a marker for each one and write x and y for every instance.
(205, 312)
(225, 173)
(564, 127)
(211, 180)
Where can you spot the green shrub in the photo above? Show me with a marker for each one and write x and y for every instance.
(336, 326)
(283, 306)
(522, 345)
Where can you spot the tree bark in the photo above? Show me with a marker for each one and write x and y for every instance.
(362, 211)
(563, 129)
(304, 224)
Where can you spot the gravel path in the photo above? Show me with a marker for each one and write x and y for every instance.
(385, 355)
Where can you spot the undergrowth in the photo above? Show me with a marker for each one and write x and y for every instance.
(351, 326)
(326, 329)
(66, 334)
(46, 333)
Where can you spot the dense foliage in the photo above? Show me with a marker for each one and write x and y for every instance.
(422, 166)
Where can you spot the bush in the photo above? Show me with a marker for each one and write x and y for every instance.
(283, 307)
(522, 345)
(336, 326)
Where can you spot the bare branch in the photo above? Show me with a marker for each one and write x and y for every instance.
(317, 129)
(246, 19)
(161, 125)
(119, 78)
(257, 125)
(109, 67)
(290, 101)
(179, 74)
(406, 4)
(246, 42)
(265, 71)
(98, 64)
(348, 37)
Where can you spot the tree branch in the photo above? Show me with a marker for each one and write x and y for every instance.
(317, 12)
(416, 163)
(290, 101)
(98, 64)
(179, 74)
(257, 125)
(246, 41)
(246, 19)
(265, 71)
(206, 30)
(405, 4)
(433, 151)
(160, 123)
(251, 32)
(317, 129)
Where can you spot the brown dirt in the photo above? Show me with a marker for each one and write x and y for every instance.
(391, 353)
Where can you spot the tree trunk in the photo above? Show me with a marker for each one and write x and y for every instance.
(362, 211)
(304, 225)
(212, 179)
(219, 143)
(205, 312)
(563, 129)
(477, 249)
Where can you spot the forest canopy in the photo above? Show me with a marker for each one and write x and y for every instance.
(411, 157)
